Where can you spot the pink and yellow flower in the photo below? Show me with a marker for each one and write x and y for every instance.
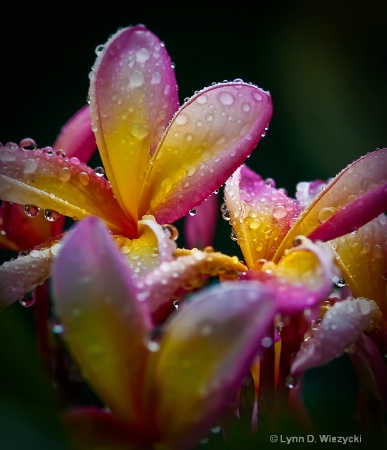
(162, 391)
(161, 160)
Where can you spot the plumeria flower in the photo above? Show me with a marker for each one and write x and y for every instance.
(163, 391)
(161, 160)
(269, 225)
(299, 246)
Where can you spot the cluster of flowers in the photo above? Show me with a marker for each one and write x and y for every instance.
(178, 341)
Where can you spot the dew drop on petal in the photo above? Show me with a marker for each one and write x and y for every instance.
(171, 231)
(28, 144)
(279, 212)
(64, 174)
(31, 210)
(139, 131)
(28, 299)
(233, 235)
(83, 178)
(325, 213)
(181, 119)
(99, 171)
(30, 166)
(226, 98)
(192, 212)
(51, 215)
(136, 78)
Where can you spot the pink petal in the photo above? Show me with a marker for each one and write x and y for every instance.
(105, 324)
(208, 139)
(260, 214)
(353, 215)
(199, 228)
(362, 176)
(341, 326)
(50, 181)
(133, 95)
(76, 137)
(206, 350)
(25, 273)
(170, 280)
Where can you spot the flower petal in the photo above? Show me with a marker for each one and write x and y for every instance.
(188, 271)
(76, 137)
(341, 326)
(302, 278)
(25, 273)
(206, 350)
(363, 175)
(362, 257)
(105, 324)
(352, 216)
(260, 214)
(199, 228)
(133, 95)
(24, 232)
(60, 184)
(209, 138)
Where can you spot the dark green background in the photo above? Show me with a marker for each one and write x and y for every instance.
(324, 63)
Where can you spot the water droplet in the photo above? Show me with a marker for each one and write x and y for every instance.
(60, 153)
(340, 282)
(28, 144)
(56, 327)
(233, 235)
(99, 49)
(181, 119)
(64, 174)
(99, 171)
(325, 214)
(136, 78)
(139, 131)
(31, 210)
(30, 166)
(267, 342)
(83, 178)
(192, 212)
(226, 98)
(51, 215)
(142, 55)
(279, 212)
(171, 231)
(28, 299)
(290, 382)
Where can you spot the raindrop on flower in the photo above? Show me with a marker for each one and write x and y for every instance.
(51, 215)
(192, 212)
(233, 235)
(28, 299)
(171, 231)
(99, 171)
(28, 144)
(31, 210)
(290, 382)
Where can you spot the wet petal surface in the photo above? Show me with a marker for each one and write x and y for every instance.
(260, 214)
(210, 136)
(340, 327)
(105, 324)
(363, 175)
(205, 352)
(133, 95)
(65, 185)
